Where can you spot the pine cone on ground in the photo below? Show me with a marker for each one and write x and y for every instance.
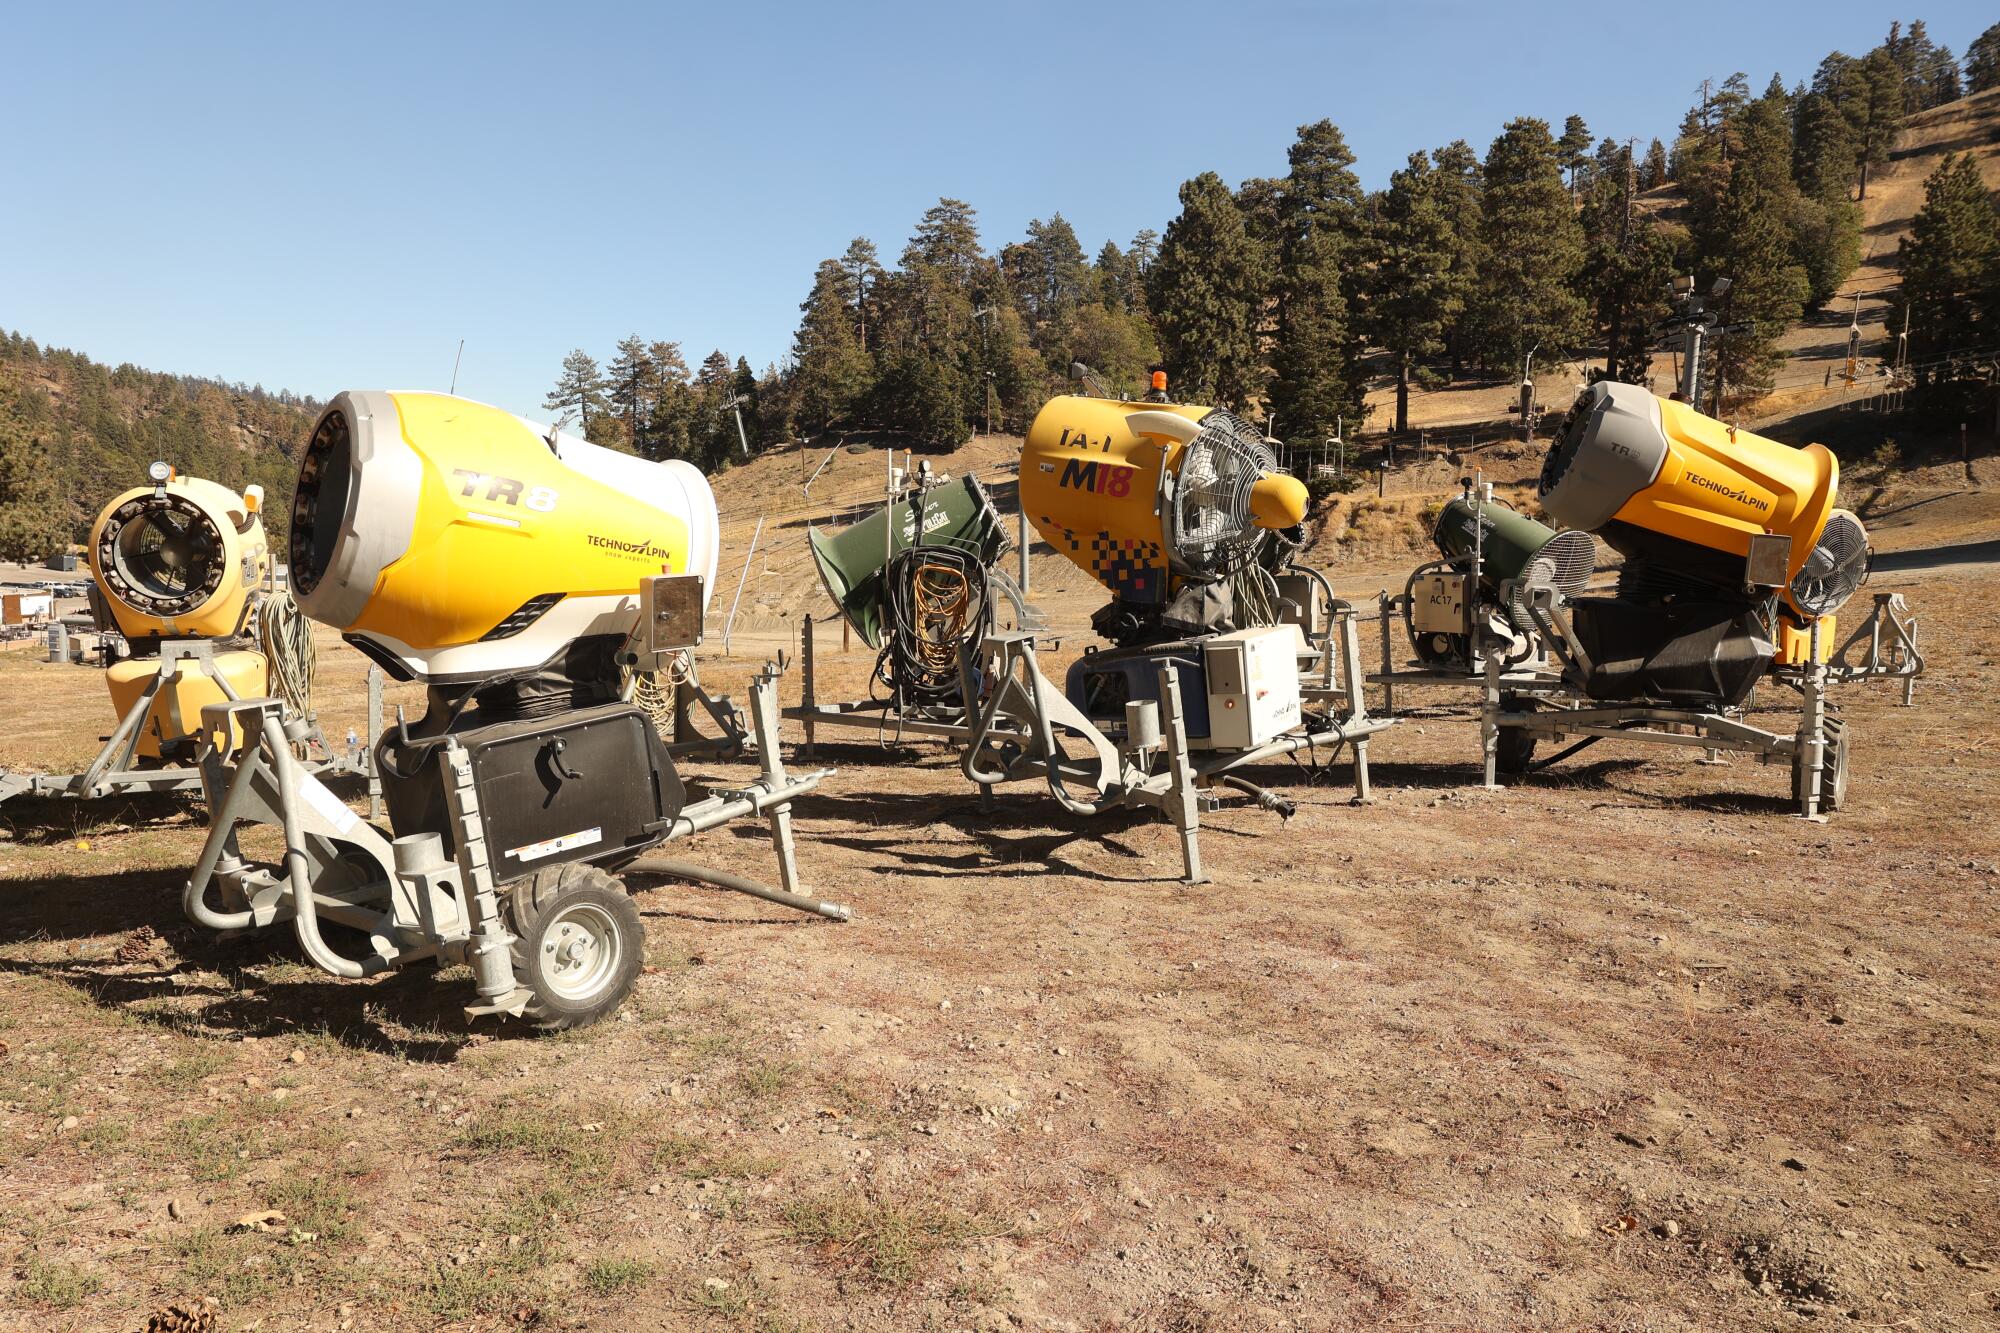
(141, 946)
(196, 1318)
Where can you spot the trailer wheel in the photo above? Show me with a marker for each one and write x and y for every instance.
(1514, 747)
(578, 944)
(1832, 771)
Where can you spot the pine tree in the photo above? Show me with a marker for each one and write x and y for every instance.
(833, 374)
(1628, 268)
(1413, 296)
(1117, 281)
(1145, 248)
(1825, 152)
(1869, 94)
(1951, 266)
(632, 388)
(669, 429)
(1457, 187)
(1525, 300)
(579, 389)
(1653, 171)
(947, 243)
(1573, 148)
(1050, 279)
(1203, 287)
(1927, 69)
(864, 273)
(1944, 83)
(1982, 61)
(1318, 378)
(1743, 231)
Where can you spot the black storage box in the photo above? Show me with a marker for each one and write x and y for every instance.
(595, 784)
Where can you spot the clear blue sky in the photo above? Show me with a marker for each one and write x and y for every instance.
(322, 196)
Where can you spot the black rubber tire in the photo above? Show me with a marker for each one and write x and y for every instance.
(1514, 747)
(1832, 772)
(549, 897)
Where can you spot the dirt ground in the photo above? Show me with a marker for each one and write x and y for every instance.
(1626, 1046)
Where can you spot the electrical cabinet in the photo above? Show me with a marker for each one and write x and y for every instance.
(1253, 685)
(1437, 604)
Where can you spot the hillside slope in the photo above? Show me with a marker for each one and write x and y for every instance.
(1815, 346)
(94, 428)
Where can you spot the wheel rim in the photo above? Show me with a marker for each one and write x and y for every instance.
(581, 950)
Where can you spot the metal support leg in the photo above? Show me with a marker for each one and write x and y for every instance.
(374, 734)
(968, 693)
(1182, 803)
(808, 694)
(764, 725)
(1353, 683)
(491, 950)
(124, 741)
(1489, 722)
(1388, 690)
(1812, 730)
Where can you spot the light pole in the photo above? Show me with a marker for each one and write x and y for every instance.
(983, 314)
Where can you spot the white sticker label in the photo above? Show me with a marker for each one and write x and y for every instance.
(327, 806)
(535, 851)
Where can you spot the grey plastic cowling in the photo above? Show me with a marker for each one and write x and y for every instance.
(1612, 449)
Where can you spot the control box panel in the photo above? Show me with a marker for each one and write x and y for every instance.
(1437, 604)
(1253, 686)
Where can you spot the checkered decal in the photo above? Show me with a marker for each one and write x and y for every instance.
(1131, 568)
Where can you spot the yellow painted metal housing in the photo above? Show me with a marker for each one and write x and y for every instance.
(1721, 486)
(478, 549)
(146, 609)
(175, 712)
(1091, 472)
(1795, 642)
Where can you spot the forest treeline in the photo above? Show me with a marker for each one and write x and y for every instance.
(1285, 297)
(74, 432)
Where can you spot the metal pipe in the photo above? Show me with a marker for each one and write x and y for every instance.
(1270, 800)
(194, 896)
(305, 918)
(754, 801)
(723, 879)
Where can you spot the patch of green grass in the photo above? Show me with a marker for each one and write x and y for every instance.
(676, 1150)
(888, 1242)
(536, 1217)
(56, 1285)
(461, 1291)
(313, 1203)
(552, 1134)
(510, 1274)
(104, 1135)
(186, 1071)
(234, 1270)
(707, 1046)
(973, 1291)
(762, 1082)
(609, 1276)
(206, 1143)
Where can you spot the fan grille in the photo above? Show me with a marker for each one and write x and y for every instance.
(161, 555)
(1566, 563)
(1837, 566)
(1211, 509)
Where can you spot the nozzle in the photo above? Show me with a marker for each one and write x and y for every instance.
(1278, 501)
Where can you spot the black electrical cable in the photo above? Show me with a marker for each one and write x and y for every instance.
(936, 600)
